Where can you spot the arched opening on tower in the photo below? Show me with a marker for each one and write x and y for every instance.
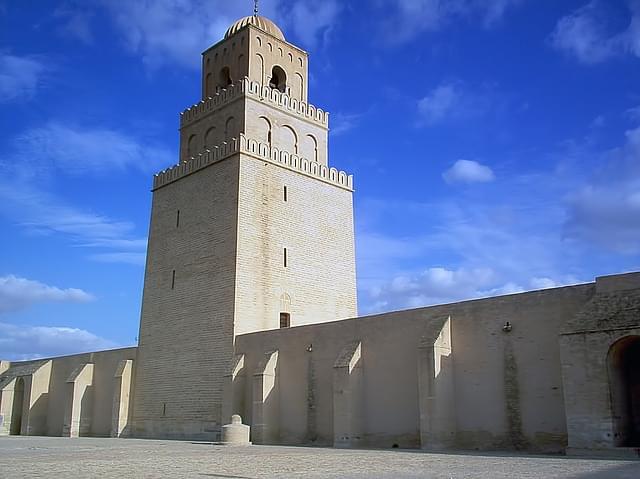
(16, 410)
(278, 79)
(623, 363)
(224, 79)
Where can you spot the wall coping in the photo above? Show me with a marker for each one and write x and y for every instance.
(258, 150)
(263, 93)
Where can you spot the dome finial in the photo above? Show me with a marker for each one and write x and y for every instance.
(255, 8)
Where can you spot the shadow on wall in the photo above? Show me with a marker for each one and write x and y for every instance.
(38, 416)
(86, 412)
(17, 407)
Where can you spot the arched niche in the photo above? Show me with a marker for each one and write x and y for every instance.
(299, 82)
(285, 303)
(264, 132)
(192, 147)
(260, 65)
(229, 128)
(310, 148)
(208, 85)
(623, 361)
(288, 139)
(210, 139)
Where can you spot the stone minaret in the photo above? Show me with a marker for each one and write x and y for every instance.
(251, 230)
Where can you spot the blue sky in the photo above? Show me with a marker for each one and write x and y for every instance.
(495, 146)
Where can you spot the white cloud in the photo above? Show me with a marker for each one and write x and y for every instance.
(406, 19)
(173, 31)
(43, 213)
(311, 21)
(535, 229)
(473, 244)
(439, 285)
(19, 343)
(56, 149)
(442, 102)
(343, 122)
(634, 113)
(467, 171)
(76, 150)
(584, 34)
(454, 101)
(432, 286)
(606, 210)
(76, 21)
(20, 293)
(20, 77)
(543, 283)
(135, 258)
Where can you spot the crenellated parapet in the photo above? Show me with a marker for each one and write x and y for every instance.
(260, 92)
(258, 150)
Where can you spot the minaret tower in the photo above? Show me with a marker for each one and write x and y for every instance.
(251, 230)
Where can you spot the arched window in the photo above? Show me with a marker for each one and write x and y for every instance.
(224, 79)
(278, 79)
(191, 146)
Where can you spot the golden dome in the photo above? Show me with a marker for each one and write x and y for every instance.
(262, 23)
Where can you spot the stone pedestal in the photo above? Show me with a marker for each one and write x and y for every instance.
(236, 433)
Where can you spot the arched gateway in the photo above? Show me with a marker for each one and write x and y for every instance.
(623, 363)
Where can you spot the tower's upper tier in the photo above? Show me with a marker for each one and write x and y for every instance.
(262, 23)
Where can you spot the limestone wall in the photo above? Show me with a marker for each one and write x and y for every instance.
(592, 343)
(267, 51)
(293, 133)
(442, 376)
(48, 398)
(186, 330)
(314, 223)
(212, 130)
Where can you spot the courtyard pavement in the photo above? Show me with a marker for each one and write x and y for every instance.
(54, 457)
